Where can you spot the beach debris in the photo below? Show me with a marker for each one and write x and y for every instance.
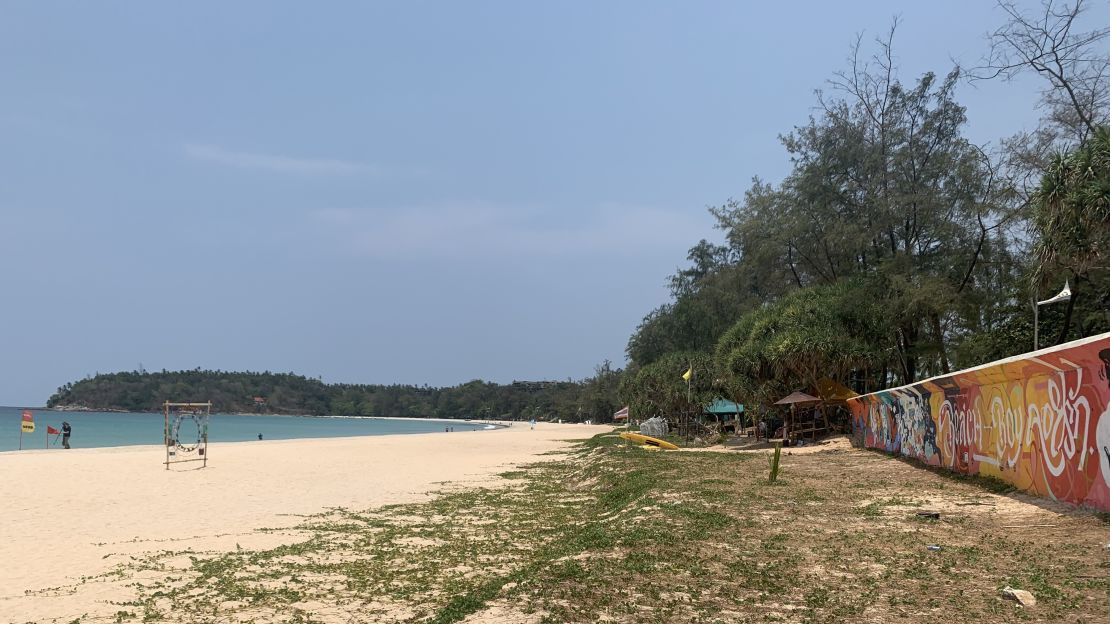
(935, 515)
(933, 547)
(1027, 526)
(1020, 596)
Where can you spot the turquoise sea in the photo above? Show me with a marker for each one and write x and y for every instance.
(99, 429)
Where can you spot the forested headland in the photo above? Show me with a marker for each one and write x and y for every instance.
(593, 398)
(896, 248)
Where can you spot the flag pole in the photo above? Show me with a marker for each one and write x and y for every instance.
(689, 368)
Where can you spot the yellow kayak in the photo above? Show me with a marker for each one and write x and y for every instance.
(648, 441)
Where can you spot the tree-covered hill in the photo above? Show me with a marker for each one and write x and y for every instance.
(594, 398)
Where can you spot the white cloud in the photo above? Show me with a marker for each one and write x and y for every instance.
(469, 229)
(280, 164)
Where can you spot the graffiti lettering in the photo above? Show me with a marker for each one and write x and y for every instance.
(1061, 422)
(1030, 422)
(959, 429)
(1008, 423)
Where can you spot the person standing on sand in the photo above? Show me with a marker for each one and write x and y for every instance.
(532, 423)
(66, 429)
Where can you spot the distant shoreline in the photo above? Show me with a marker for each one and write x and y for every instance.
(81, 409)
(110, 429)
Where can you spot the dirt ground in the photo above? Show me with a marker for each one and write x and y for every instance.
(1005, 538)
(610, 532)
(847, 534)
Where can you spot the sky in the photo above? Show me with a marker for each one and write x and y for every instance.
(398, 192)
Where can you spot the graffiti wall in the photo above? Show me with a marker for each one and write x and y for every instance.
(1040, 421)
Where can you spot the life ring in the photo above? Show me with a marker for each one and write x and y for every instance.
(177, 432)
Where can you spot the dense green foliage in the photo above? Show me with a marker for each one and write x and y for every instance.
(594, 398)
(658, 388)
(822, 331)
(1072, 220)
(894, 250)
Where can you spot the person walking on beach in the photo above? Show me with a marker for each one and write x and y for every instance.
(532, 423)
(66, 430)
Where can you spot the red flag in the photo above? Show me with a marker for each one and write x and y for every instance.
(52, 431)
(28, 416)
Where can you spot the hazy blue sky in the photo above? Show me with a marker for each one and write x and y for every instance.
(396, 192)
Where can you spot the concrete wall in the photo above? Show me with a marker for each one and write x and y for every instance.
(1040, 421)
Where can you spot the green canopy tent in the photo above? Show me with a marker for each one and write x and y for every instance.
(725, 411)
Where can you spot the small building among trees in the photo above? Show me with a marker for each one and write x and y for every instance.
(727, 413)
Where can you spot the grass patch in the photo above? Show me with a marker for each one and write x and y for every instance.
(664, 537)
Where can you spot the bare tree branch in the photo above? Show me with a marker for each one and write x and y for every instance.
(1075, 64)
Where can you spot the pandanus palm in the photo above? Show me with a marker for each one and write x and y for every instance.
(1072, 218)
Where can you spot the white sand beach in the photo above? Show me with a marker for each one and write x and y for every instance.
(78, 513)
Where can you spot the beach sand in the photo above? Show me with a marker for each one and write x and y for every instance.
(78, 513)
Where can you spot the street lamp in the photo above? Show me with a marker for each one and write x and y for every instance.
(1063, 295)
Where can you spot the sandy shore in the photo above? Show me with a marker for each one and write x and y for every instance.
(78, 513)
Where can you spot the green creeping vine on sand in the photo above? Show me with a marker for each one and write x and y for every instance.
(610, 530)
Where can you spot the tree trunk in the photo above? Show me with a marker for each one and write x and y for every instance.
(908, 362)
(935, 319)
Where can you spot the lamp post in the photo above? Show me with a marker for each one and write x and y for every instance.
(1063, 295)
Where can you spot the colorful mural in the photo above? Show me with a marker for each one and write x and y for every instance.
(1040, 421)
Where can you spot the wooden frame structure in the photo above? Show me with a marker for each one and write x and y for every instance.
(199, 413)
(794, 399)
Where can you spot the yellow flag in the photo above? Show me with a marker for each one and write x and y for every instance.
(689, 373)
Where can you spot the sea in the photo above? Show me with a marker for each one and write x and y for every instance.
(101, 429)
